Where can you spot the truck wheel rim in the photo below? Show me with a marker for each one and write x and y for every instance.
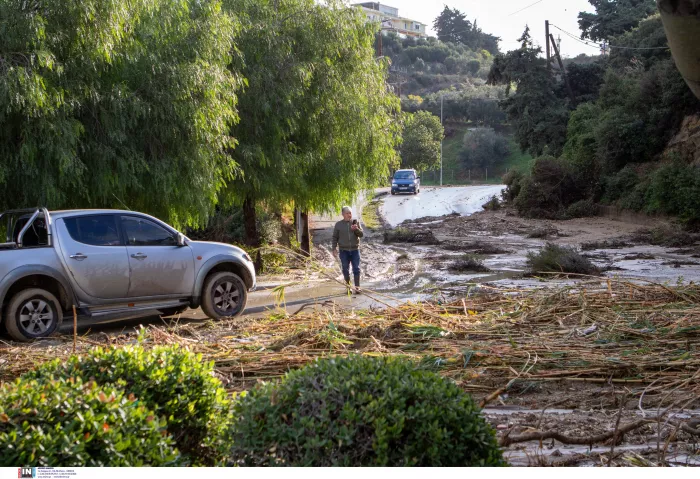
(226, 297)
(36, 316)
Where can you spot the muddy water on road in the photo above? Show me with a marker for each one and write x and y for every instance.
(410, 272)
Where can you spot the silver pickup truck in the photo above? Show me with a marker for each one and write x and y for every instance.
(110, 265)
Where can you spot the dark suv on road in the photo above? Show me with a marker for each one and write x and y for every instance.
(405, 181)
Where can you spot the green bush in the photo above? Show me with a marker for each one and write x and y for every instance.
(172, 381)
(582, 209)
(468, 263)
(492, 205)
(548, 190)
(675, 190)
(67, 422)
(513, 181)
(560, 259)
(361, 411)
(483, 148)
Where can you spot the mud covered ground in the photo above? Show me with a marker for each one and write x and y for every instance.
(546, 360)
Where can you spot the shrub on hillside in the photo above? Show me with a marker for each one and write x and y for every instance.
(484, 148)
(582, 209)
(674, 189)
(560, 259)
(548, 190)
(69, 423)
(174, 382)
(361, 411)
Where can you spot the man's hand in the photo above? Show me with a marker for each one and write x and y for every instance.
(354, 227)
(335, 252)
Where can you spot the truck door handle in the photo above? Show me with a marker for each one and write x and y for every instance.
(78, 256)
(139, 256)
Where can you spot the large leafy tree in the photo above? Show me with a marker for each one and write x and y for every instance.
(422, 133)
(318, 119)
(613, 17)
(453, 26)
(483, 148)
(114, 102)
(536, 109)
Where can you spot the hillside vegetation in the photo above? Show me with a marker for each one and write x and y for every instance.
(609, 143)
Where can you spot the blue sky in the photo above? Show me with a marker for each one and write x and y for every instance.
(501, 18)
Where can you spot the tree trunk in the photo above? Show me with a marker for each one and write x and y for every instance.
(306, 234)
(252, 238)
(681, 19)
(297, 225)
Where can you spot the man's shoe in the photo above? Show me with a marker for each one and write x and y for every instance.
(358, 290)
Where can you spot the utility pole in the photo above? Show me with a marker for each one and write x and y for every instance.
(549, 55)
(563, 71)
(441, 102)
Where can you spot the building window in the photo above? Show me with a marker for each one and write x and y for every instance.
(405, 26)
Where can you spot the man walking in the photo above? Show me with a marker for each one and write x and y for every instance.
(346, 235)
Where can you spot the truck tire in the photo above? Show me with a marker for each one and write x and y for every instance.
(224, 295)
(33, 313)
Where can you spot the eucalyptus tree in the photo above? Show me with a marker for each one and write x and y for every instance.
(117, 103)
(318, 121)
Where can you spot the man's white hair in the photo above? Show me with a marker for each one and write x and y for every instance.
(346, 209)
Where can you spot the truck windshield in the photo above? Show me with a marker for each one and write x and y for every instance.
(404, 175)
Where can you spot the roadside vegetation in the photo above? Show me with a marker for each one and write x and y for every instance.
(153, 115)
(625, 138)
(371, 216)
(164, 407)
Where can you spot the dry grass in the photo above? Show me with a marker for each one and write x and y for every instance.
(644, 338)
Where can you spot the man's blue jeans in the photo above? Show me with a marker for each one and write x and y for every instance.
(347, 258)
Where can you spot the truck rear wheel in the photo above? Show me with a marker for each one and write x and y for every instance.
(224, 295)
(33, 313)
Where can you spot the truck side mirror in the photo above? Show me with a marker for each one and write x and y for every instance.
(181, 240)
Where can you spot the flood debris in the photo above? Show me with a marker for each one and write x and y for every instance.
(476, 247)
(543, 232)
(638, 256)
(578, 347)
(560, 259)
(468, 263)
(672, 236)
(403, 235)
(605, 244)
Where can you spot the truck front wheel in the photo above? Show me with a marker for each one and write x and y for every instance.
(33, 313)
(224, 295)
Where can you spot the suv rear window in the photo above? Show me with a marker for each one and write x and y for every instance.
(99, 230)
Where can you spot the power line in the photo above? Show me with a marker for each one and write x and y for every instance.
(525, 8)
(609, 46)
